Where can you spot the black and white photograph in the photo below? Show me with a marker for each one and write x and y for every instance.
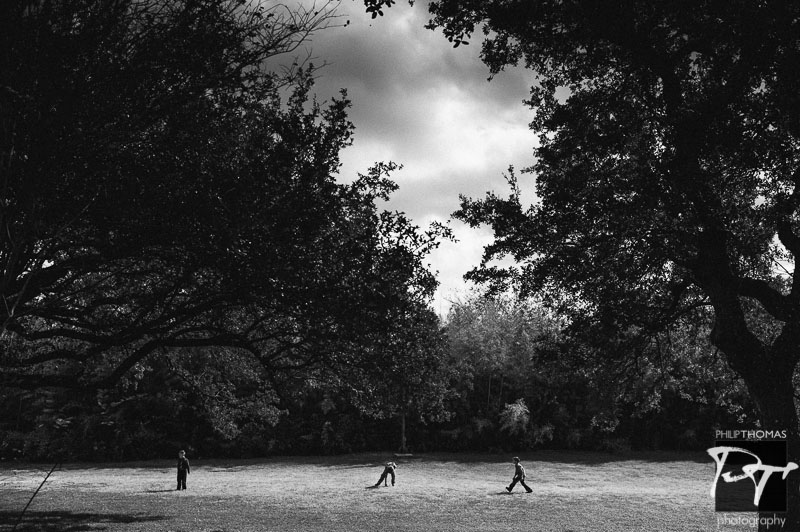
(419, 265)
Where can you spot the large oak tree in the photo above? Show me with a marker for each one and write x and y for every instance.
(165, 183)
(668, 170)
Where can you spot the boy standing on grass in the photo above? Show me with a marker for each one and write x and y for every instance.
(183, 470)
(387, 470)
(519, 476)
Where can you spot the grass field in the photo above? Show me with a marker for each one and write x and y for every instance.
(572, 492)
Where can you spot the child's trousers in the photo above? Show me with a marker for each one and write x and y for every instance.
(387, 471)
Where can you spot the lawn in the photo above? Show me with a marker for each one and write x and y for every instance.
(572, 492)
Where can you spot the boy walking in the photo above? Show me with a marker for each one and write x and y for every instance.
(183, 470)
(519, 476)
(387, 470)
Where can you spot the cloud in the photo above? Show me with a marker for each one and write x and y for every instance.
(421, 103)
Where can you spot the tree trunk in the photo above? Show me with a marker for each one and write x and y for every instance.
(403, 447)
(770, 385)
(403, 408)
(767, 369)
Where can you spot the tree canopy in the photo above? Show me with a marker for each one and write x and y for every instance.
(667, 164)
(162, 188)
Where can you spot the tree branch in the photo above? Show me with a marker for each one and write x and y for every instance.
(775, 303)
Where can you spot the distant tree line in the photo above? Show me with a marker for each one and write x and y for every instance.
(497, 375)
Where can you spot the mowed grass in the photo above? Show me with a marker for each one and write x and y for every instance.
(448, 492)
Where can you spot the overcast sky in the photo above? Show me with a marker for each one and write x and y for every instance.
(421, 103)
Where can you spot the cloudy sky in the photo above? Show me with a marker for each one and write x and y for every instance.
(421, 103)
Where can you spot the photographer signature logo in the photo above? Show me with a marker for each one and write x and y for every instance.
(720, 456)
(753, 466)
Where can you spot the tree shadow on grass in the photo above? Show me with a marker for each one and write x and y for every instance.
(61, 521)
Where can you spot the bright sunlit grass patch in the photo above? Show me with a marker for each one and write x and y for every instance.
(572, 492)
